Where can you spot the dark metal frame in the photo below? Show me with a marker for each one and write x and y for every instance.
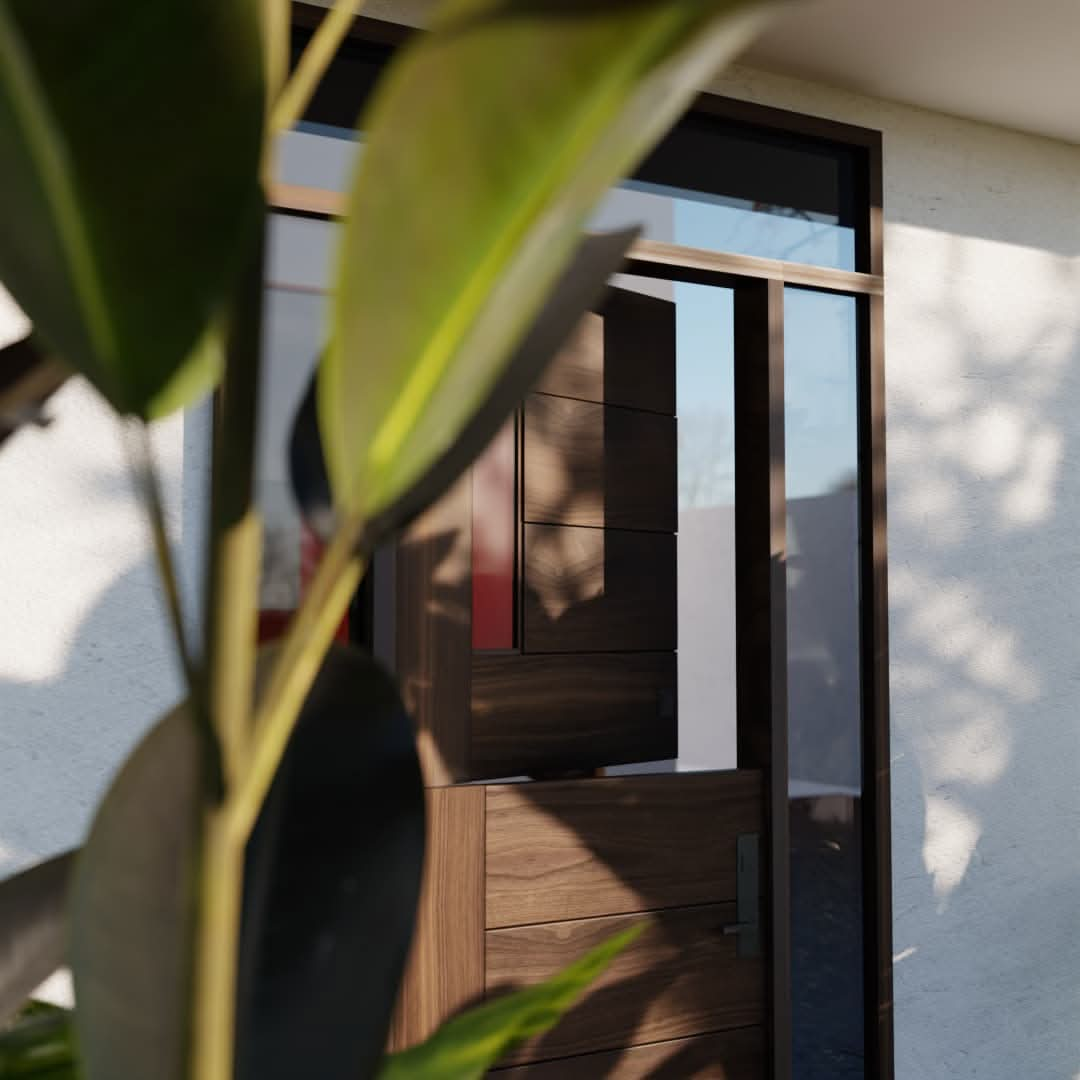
(761, 533)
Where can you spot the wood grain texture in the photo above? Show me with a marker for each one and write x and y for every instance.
(434, 632)
(446, 962)
(598, 590)
(720, 268)
(579, 848)
(623, 355)
(589, 464)
(542, 713)
(727, 1055)
(681, 977)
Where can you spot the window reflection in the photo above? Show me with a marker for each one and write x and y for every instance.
(824, 709)
(718, 185)
(293, 332)
(705, 408)
(494, 542)
(318, 156)
(736, 226)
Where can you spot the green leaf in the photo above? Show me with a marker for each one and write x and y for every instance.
(486, 145)
(332, 880)
(196, 376)
(39, 1044)
(132, 908)
(130, 135)
(32, 929)
(28, 377)
(581, 284)
(466, 1046)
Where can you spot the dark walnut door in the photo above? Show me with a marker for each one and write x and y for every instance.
(564, 568)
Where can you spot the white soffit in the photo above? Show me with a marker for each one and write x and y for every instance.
(1009, 62)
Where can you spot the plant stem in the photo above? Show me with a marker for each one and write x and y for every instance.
(309, 636)
(313, 62)
(275, 31)
(216, 957)
(148, 486)
(230, 636)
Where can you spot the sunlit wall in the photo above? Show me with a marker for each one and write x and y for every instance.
(982, 317)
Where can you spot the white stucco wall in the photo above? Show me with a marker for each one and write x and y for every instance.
(85, 657)
(982, 270)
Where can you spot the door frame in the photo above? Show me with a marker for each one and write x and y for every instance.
(760, 528)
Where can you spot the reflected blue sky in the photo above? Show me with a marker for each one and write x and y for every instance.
(705, 395)
(821, 418)
(317, 155)
(820, 392)
(718, 223)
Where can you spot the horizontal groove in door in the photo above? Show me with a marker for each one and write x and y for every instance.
(602, 589)
(625, 355)
(725, 1055)
(680, 978)
(538, 713)
(589, 464)
(575, 849)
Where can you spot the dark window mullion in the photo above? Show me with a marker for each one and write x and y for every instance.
(877, 878)
(761, 616)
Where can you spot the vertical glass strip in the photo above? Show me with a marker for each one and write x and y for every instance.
(824, 692)
(494, 536)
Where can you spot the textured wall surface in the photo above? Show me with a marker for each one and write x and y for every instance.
(85, 658)
(982, 267)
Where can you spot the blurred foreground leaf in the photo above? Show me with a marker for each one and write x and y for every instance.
(466, 1046)
(32, 929)
(132, 907)
(332, 881)
(130, 136)
(579, 286)
(39, 1044)
(487, 143)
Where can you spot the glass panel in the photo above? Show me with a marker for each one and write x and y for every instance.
(293, 330)
(318, 156)
(292, 336)
(705, 550)
(494, 532)
(716, 185)
(825, 716)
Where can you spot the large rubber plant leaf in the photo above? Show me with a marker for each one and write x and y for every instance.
(486, 145)
(130, 135)
(468, 1045)
(33, 907)
(132, 910)
(331, 884)
(579, 286)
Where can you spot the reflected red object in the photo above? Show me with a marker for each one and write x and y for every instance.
(274, 622)
(494, 542)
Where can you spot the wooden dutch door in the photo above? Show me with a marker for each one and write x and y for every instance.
(537, 642)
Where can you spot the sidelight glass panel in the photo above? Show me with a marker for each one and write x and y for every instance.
(293, 331)
(824, 704)
(705, 544)
(705, 404)
(294, 317)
